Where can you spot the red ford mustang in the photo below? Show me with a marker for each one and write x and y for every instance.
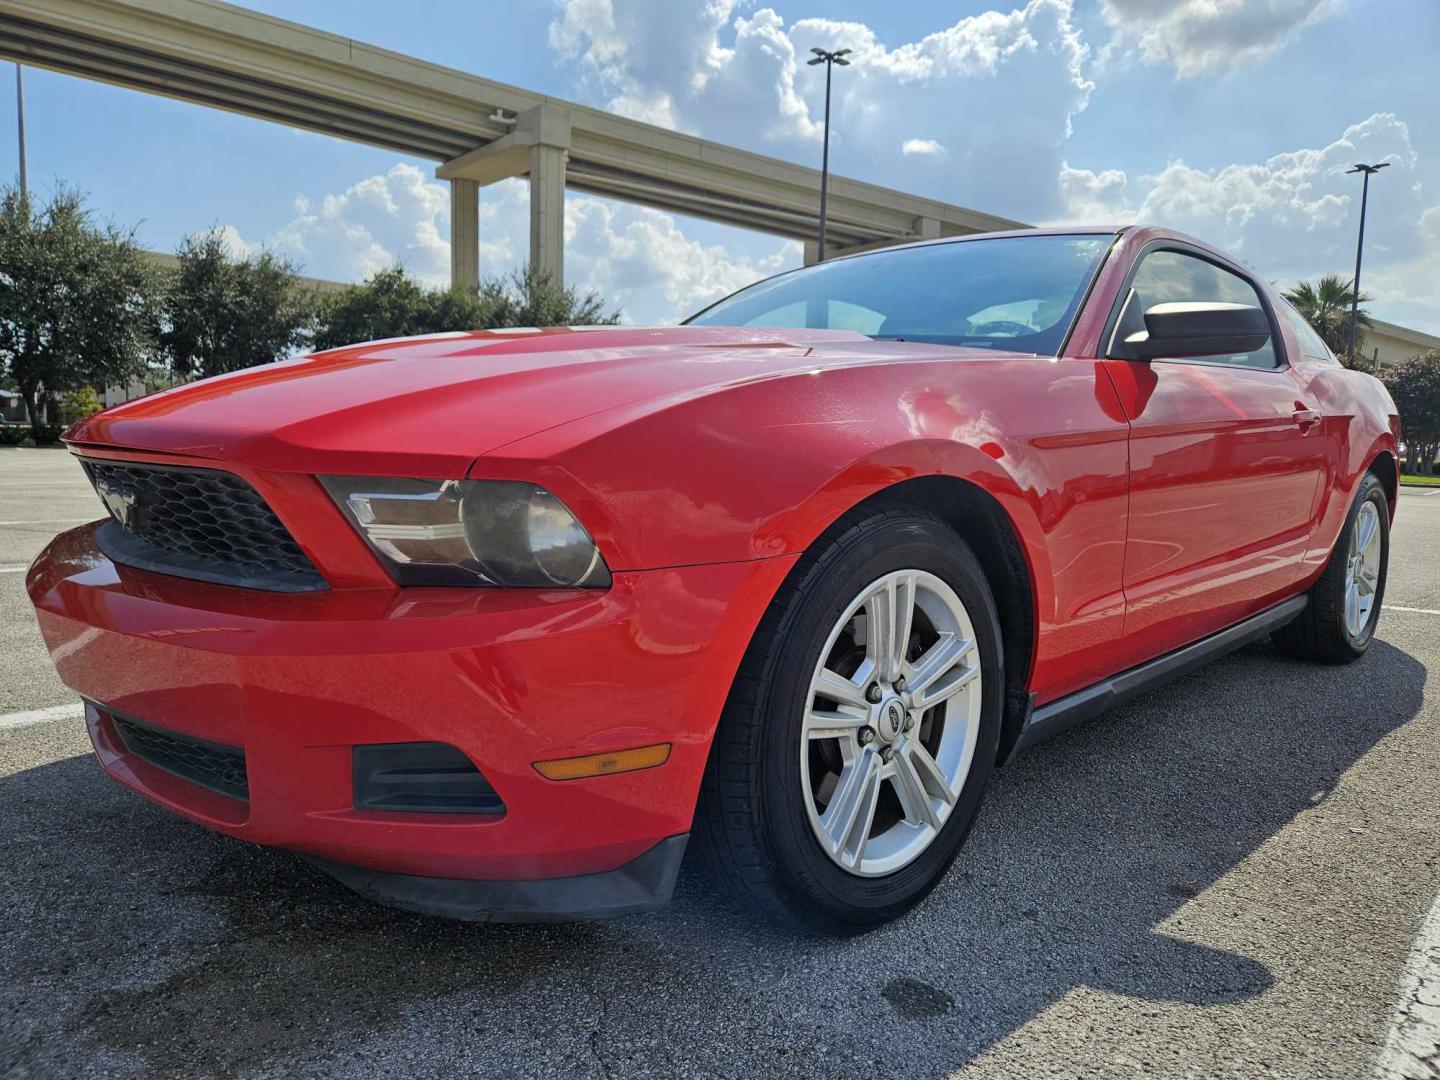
(492, 625)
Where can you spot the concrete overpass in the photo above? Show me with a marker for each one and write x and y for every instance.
(481, 131)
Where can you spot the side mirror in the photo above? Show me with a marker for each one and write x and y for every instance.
(1199, 329)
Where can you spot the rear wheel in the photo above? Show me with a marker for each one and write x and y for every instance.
(1339, 622)
(861, 731)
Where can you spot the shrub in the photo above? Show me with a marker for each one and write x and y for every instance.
(392, 304)
(79, 403)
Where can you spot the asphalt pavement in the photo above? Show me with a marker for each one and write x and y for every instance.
(1224, 878)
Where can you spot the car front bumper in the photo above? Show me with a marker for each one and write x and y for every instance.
(510, 677)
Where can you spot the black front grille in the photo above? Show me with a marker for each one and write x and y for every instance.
(198, 523)
(212, 765)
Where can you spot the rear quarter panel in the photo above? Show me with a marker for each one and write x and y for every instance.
(1360, 423)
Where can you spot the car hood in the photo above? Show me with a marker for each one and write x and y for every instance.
(428, 406)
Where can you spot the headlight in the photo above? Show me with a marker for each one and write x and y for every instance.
(470, 532)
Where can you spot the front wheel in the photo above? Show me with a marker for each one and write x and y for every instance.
(862, 729)
(1339, 622)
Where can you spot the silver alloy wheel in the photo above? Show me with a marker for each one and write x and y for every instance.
(1362, 570)
(891, 722)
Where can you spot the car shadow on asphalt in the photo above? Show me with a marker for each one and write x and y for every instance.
(138, 939)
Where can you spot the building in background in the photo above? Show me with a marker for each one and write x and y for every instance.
(1387, 344)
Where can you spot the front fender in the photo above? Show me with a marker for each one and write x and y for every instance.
(757, 470)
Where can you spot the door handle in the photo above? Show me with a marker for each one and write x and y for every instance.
(1306, 419)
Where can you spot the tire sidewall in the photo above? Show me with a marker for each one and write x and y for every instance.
(920, 543)
(1371, 490)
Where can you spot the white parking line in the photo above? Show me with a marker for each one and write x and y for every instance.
(49, 521)
(1414, 610)
(1412, 1049)
(13, 569)
(72, 711)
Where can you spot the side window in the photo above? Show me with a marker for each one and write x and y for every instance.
(1174, 277)
(1311, 343)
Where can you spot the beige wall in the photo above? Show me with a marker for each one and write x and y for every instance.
(1395, 344)
(320, 285)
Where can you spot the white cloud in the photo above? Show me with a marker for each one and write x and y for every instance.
(921, 146)
(992, 86)
(237, 245)
(1095, 198)
(638, 259)
(1294, 215)
(1407, 291)
(677, 41)
(1200, 37)
(394, 216)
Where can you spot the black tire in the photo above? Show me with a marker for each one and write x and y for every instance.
(1319, 632)
(751, 831)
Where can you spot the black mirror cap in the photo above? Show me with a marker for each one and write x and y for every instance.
(1199, 329)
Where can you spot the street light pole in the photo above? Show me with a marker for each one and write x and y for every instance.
(829, 59)
(1368, 171)
(20, 123)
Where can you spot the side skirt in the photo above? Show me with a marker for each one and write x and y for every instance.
(1047, 721)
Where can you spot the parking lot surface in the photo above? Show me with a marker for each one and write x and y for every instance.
(1225, 878)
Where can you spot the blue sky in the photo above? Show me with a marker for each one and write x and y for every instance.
(1232, 120)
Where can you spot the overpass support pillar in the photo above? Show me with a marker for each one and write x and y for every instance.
(464, 233)
(537, 146)
(547, 211)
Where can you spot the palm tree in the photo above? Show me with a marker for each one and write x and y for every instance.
(1325, 304)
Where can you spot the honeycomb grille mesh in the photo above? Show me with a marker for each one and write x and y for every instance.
(211, 765)
(204, 520)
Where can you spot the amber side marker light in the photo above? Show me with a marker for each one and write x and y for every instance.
(575, 768)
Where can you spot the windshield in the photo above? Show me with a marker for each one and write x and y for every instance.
(1017, 293)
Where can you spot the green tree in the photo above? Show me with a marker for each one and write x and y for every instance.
(530, 298)
(224, 313)
(1415, 386)
(1325, 303)
(78, 301)
(391, 303)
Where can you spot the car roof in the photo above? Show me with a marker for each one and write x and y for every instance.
(1141, 232)
(1049, 230)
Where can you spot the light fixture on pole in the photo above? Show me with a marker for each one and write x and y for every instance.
(829, 59)
(1368, 171)
(20, 118)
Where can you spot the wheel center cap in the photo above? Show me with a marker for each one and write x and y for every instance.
(891, 719)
